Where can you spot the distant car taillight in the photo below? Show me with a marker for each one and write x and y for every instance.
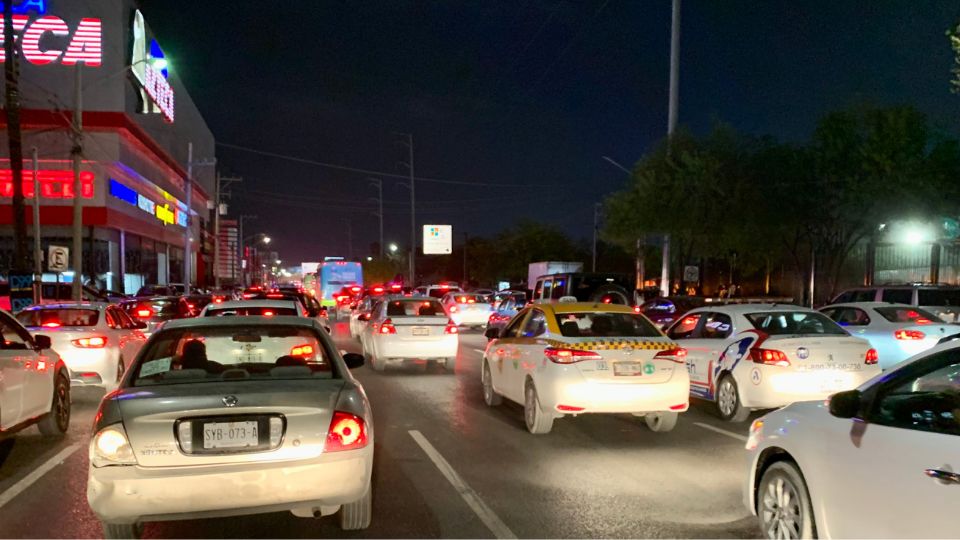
(636, 309)
(93, 342)
(453, 309)
(770, 357)
(347, 432)
(909, 335)
(144, 312)
(451, 328)
(569, 356)
(302, 350)
(387, 327)
(871, 358)
(678, 355)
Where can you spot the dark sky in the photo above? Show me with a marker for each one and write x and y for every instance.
(517, 100)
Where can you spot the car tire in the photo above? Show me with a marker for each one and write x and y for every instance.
(448, 363)
(377, 363)
(57, 421)
(538, 422)
(122, 530)
(728, 402)
(490, 396)
(661, 422)
(356, 516)
(783, 503)
(618, 294)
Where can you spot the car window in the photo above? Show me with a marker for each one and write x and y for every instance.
(928, 400)
(414, 308)
(125, 319)
(907, 315)
(536, 324)
(559, 289)
(717, 326)
(865, 295)
(538, 290)
(112, 321)
(12, 336)
(507, 304)
(258, 311)
(897, 296)
(686, 327)
(785, 323)
(848, 316)
(547, 288)
(843, 298)
(513, 329)
(938, 297)
(56, 317)
(605, 324)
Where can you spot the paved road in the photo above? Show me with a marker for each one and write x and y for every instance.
(447, 466)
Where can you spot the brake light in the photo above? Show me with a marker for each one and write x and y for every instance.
(453, 309)
(444, 287)
(51, 325)
(342, 299)
(871, 357)
(355, 289)
(387, 327)
(347, 432)
(302, 350)
(569, 408)
(247, 296)
(451, 328)
(396, 287)
(94, 342)
(636, 309)
(378, 289)
(770, 357)
(569, 356)
(274, 295)
(922, 321)
(218, 300)
(191, 306)
(268, 313)
(678, 355)
(909, 335)
(607, 299)
(144, 313)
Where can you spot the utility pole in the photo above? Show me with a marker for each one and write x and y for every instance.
(671, 127)
(188, 187)
(37, 263)
(11, 70)
(596, 227)
(413, 215)
(243, 271)
(466, 240)
(379, 185)
(76, 152)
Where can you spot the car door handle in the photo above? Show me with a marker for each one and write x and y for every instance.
(942, 476)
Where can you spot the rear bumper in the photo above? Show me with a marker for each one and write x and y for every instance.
(89, 367)
(127, 494)
(598, 397)
(780, 389)
(445, 347)
(470, 318)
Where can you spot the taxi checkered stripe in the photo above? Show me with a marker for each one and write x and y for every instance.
(613, 345)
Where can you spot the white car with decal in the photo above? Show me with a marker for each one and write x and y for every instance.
(763, 356)
(577, 358)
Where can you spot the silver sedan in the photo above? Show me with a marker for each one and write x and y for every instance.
(233, 415)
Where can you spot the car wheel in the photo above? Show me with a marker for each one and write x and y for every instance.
(377, 363)
(448, 363)
(728, 401)
(661, 422)
(783, 504)
(57, 421)
(122, 530)
(490, 396)
(537, 421)
(356, 515)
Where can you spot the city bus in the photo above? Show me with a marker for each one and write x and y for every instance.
(335, 275)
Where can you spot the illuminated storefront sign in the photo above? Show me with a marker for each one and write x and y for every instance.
(28, 6)
(54, 184)
(161, 211)
(149, 68)
(83, 46)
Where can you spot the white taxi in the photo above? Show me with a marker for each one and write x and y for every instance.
(577, 358)
(406, 328)
(763, 356)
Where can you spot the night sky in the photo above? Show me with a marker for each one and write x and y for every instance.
(514, 103)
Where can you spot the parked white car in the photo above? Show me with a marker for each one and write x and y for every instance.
(880, 461)
(896, 331)
(763, 356)
(34, 382)
(360, 315)
(404, 328)
(96, 340)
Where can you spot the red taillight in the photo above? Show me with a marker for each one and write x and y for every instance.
(144, 313)
(267, 313)
(191, 306)
(922, 321)
(95, 342)
(396, 287)
(871, 357)
(569, 356)
(274, 295)
(444, 287)
(347, 432)
(909, 335)
(453, 309)
(51, 325)
(607, 300)
(636, 309)
(569, 408)
(378, 289)
(678, 355)
(355, 289)
(302, 350)
(342, 299)
(679, 407)
(247, 296)
(451, 328)
(387, 327)
(770, 357)
(218, 300)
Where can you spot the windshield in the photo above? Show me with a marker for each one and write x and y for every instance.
(262, 311)
(54, 317)
(605, 324)
(213, 354)
(414, 308)
(782, 323)
(907, 315)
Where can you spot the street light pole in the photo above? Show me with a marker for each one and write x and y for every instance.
(413, 214)
(596, 226)
(379, 184)
(76, 152)
(188, 187)
(671, 127)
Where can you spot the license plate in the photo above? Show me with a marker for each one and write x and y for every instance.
(421, 331)
(230, 435)
(628, 369)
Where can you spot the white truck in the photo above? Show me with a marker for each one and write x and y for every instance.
(537, 269)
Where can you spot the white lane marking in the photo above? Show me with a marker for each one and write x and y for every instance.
(736, 436)
(473, 500)
(481, 351)
(37, 473)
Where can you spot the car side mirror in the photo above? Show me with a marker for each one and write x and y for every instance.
(353, 360)
(41, 342)
(845, 404)
(140, 325)
(492, 333)
(363, 317)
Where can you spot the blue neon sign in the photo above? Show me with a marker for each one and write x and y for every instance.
(28, 6)
(122, 192)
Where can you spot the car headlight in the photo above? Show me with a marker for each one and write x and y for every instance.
(756, 434)
(110, 446)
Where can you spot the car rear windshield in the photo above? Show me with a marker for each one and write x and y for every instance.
(938, 297)
(214, 354)
(162, 308)
(54, 317)
(470, 298)
(907, 315)
(605, 324)
(251, 311)
(786, 323)
(414, 308)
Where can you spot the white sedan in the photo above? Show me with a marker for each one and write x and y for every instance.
(467, 309)
(896, 331)
(880, 461)
(763, 356)
(404, 328)
(577, 358)
(97, 341)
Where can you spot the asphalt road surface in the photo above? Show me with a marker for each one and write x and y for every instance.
(446, 466)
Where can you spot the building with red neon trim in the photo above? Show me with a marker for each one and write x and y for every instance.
(138, 121)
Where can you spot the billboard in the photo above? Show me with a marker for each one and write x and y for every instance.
(437, 239)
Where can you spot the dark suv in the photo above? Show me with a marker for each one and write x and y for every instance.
(586, 287)
(943, 300)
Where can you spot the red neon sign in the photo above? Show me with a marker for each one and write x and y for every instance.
(54, 184)
(86, 45)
